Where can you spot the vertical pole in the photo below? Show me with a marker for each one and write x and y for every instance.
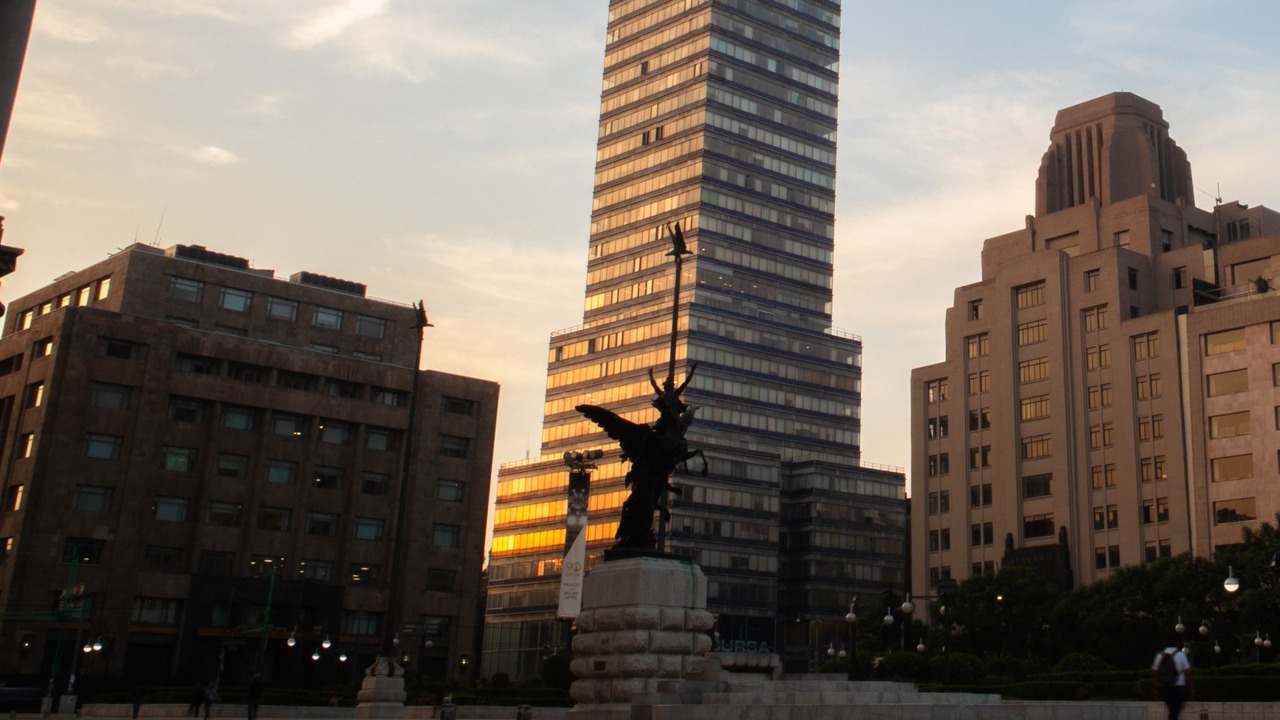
(266, 616)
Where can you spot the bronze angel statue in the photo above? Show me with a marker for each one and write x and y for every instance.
(654, 453)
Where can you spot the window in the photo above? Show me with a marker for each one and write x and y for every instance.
(980, 495)
(238, 418)
(1034, 408)
(449, 490)
(34, 395)
(321, 570)
(1099, 396)
(1097, 356)
(360, 622)
(939, 464)
(323, 524)
(1146, 346)
(445, 535)
(225, 514)
(1106, 518)
(1229, 425)
(1229, 382)
(185, 289)
(26, 444)
(1232, 467)
(1157, 549)
(1091, 280)
(1121, 238)
(286, 424)
(334, 432)
(179, 459)
(109, 396)
(369, 528)
(1148, 386)
(171, 509)
(1226, 341)
(370, 326)
(85, 551)
(935, 391)
(1095, 318)
(13, 498)
(458, 406)
(186, 362)
(296, 381)
(979, 382)
(1133, 278)
(244, 372)
(92, 498)
(386, 396)
(234, 299)
(1102, 435)
(1029, 295)
(1033, 370)
(979, 419)
(977, 345)
(440, 580)
(940, 502)
(156, 611)
(1104, 557)
(228, 465)
(1155, 511)
(1102, 476)
(326, 478)
(455, 447)
(1234, 511)
(1037, 446)
(274, 519)
(281, 472)
(282, 309)
(103, 447)
(157, 558)
(1034, 526)
(979, 457)
(975, 309)
(324, 317)
(339, 388)
(939, 540)
(120, 349)
(186, 410)
(364, 574)
(380, 439)
(42, 348)
(1034, 486)
(936, 427)
(982, 534)
(374, 483)
(1036, 331)
(1179, 277)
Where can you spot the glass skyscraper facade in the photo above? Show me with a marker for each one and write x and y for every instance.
(719, 115)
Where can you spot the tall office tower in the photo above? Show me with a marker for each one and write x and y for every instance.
(1109, 390)
(203, 462)
(719, 115)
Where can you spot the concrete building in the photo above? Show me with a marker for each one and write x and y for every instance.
(1109, 390)
(719, 115)
(203, 466)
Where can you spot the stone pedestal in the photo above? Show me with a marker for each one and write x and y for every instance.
(382, 690)
(642, 629)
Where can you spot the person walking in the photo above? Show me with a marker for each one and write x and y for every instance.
(197, 699)
(1171, 678)
(254, 696)
(210, 697)
(139, 692)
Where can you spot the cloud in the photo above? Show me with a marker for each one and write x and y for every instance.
(57, 112)
(269, 104)
(211, 155)
(334, 21)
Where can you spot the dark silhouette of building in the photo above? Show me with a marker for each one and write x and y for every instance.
(203, 462)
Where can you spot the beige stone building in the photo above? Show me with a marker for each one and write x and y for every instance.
(1109, 393)
(203, 469)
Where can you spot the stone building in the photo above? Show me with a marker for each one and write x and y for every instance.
(1109, 394)
(203, 466)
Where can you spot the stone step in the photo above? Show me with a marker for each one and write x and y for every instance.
(914, 711)
(844, 697)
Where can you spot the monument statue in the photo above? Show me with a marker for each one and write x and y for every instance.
(655, 451)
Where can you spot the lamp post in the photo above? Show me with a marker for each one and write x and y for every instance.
(851, 617)
(946, 590)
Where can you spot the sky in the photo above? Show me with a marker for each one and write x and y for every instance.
(443, 150)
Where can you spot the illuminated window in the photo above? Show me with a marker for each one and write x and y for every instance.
(1029, 295)
(1233, 467)
(1226, 341)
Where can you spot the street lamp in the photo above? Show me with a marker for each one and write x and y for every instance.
(851, 617)
(1232, 583)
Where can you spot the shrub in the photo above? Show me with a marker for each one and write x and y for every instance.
(905, 666)
(500, 680)
(1081, 662)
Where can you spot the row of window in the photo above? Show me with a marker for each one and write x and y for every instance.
(241, 301)
(82, 296)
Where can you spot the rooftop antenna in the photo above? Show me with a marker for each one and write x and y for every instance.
(155, 242)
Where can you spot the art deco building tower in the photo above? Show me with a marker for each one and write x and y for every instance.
(1111, 388)
(719, 115)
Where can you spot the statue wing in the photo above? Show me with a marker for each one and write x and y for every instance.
(631, 436)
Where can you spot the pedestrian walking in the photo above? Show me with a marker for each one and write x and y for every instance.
(1171, 678)
(210, 697)
(254, 695)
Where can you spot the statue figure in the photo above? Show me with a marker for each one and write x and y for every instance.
(654, 453)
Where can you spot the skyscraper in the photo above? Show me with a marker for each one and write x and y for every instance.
(1095, 409)
(719, 115)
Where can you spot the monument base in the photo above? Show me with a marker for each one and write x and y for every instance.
(382, 691)
(642, 630)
